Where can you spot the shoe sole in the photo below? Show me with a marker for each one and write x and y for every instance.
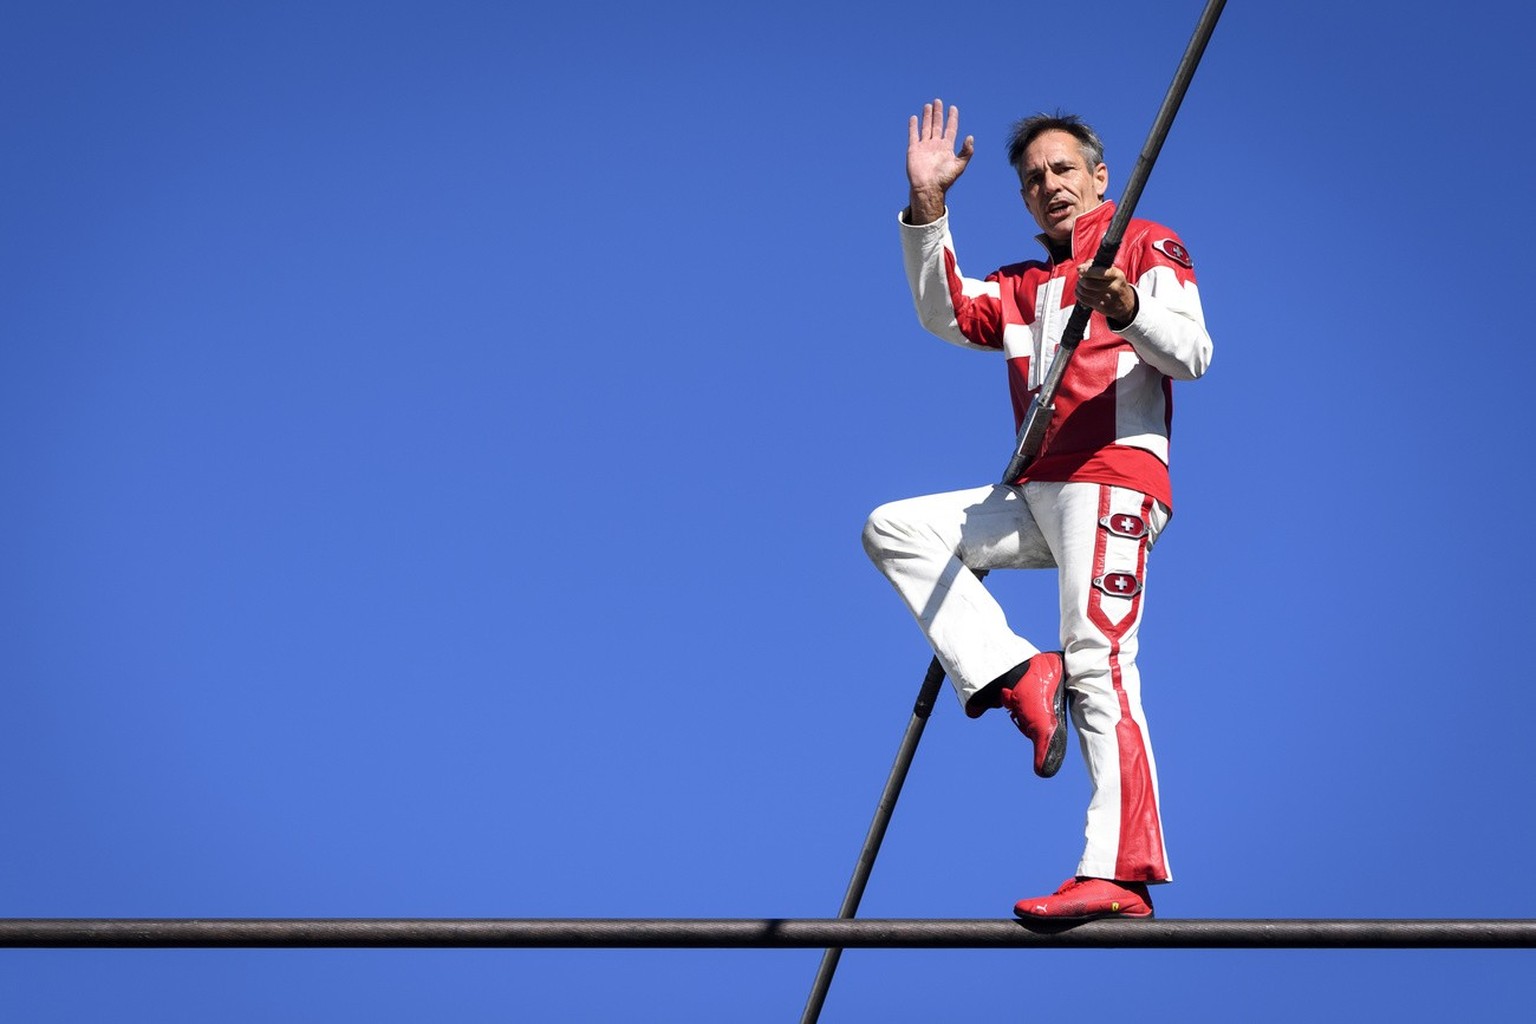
(1056, 750)
(1025, 915)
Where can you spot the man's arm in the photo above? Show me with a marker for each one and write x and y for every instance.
(932, 163)
(961, 310)
(1160, 314)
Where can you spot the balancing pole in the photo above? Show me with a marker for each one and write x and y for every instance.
(1026, 447)
(926, 696)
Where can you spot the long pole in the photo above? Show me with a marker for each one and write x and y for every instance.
(770, 933)
(1026, 447)
(921, 708)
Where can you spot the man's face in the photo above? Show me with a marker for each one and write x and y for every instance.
(1058, 185)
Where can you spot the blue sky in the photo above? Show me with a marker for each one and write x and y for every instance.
(435, 442)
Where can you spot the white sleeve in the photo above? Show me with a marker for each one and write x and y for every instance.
(1169, 329)
(934, 275)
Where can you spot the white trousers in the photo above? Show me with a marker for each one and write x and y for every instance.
(1098, 538)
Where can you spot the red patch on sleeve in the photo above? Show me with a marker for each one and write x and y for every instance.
(1171, 248)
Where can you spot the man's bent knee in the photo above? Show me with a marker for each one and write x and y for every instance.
(880, 534)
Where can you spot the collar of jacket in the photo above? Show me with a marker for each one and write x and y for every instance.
(1087, 231)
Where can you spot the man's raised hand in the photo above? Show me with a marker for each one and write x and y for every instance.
(932, 163)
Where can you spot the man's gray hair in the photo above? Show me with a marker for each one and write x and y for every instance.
(1032, 127)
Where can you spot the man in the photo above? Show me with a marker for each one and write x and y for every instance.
(1091, 504)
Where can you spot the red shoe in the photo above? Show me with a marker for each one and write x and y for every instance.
(1084, 898)
(1038, 704)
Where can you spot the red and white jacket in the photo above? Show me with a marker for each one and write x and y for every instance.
(1114, 408)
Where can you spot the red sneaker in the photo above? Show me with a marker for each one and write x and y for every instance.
(1084, 898)
(1038, 705)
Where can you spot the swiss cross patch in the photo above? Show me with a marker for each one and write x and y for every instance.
(1118, 584)
(1123, 524)
(1171, 248)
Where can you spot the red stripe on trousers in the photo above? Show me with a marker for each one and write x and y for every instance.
(1139, 857)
